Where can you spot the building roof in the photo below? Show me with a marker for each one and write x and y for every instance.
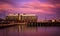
(12, 15)
(22, 15)
(28, 14)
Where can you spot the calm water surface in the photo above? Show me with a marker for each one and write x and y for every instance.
(30, 31)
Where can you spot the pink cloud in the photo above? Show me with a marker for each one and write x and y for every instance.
(58, 5)
(37, 7)
(5, 6)
(29, 7)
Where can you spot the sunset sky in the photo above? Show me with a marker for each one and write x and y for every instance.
(42, 8)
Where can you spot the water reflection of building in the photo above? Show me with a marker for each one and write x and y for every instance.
(22, 17)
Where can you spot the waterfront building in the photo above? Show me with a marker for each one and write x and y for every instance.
(22, 17)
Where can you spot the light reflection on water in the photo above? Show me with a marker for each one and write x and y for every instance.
(30, 31)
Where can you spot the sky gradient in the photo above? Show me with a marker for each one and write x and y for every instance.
(42, 8)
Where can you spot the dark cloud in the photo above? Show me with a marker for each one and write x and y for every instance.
(57, 4)
(57, 10)
(54, 1)
(7, 1)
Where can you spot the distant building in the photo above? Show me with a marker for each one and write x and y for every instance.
(51, 20)
(22, 17)
(58, 20)
(47, 21)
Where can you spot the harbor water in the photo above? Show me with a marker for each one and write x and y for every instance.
(30, 31)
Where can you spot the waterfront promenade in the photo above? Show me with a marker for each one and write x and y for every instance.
(6, 25)
(11, 24)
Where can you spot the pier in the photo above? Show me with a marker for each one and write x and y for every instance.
(32, 24)
(41, 24)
